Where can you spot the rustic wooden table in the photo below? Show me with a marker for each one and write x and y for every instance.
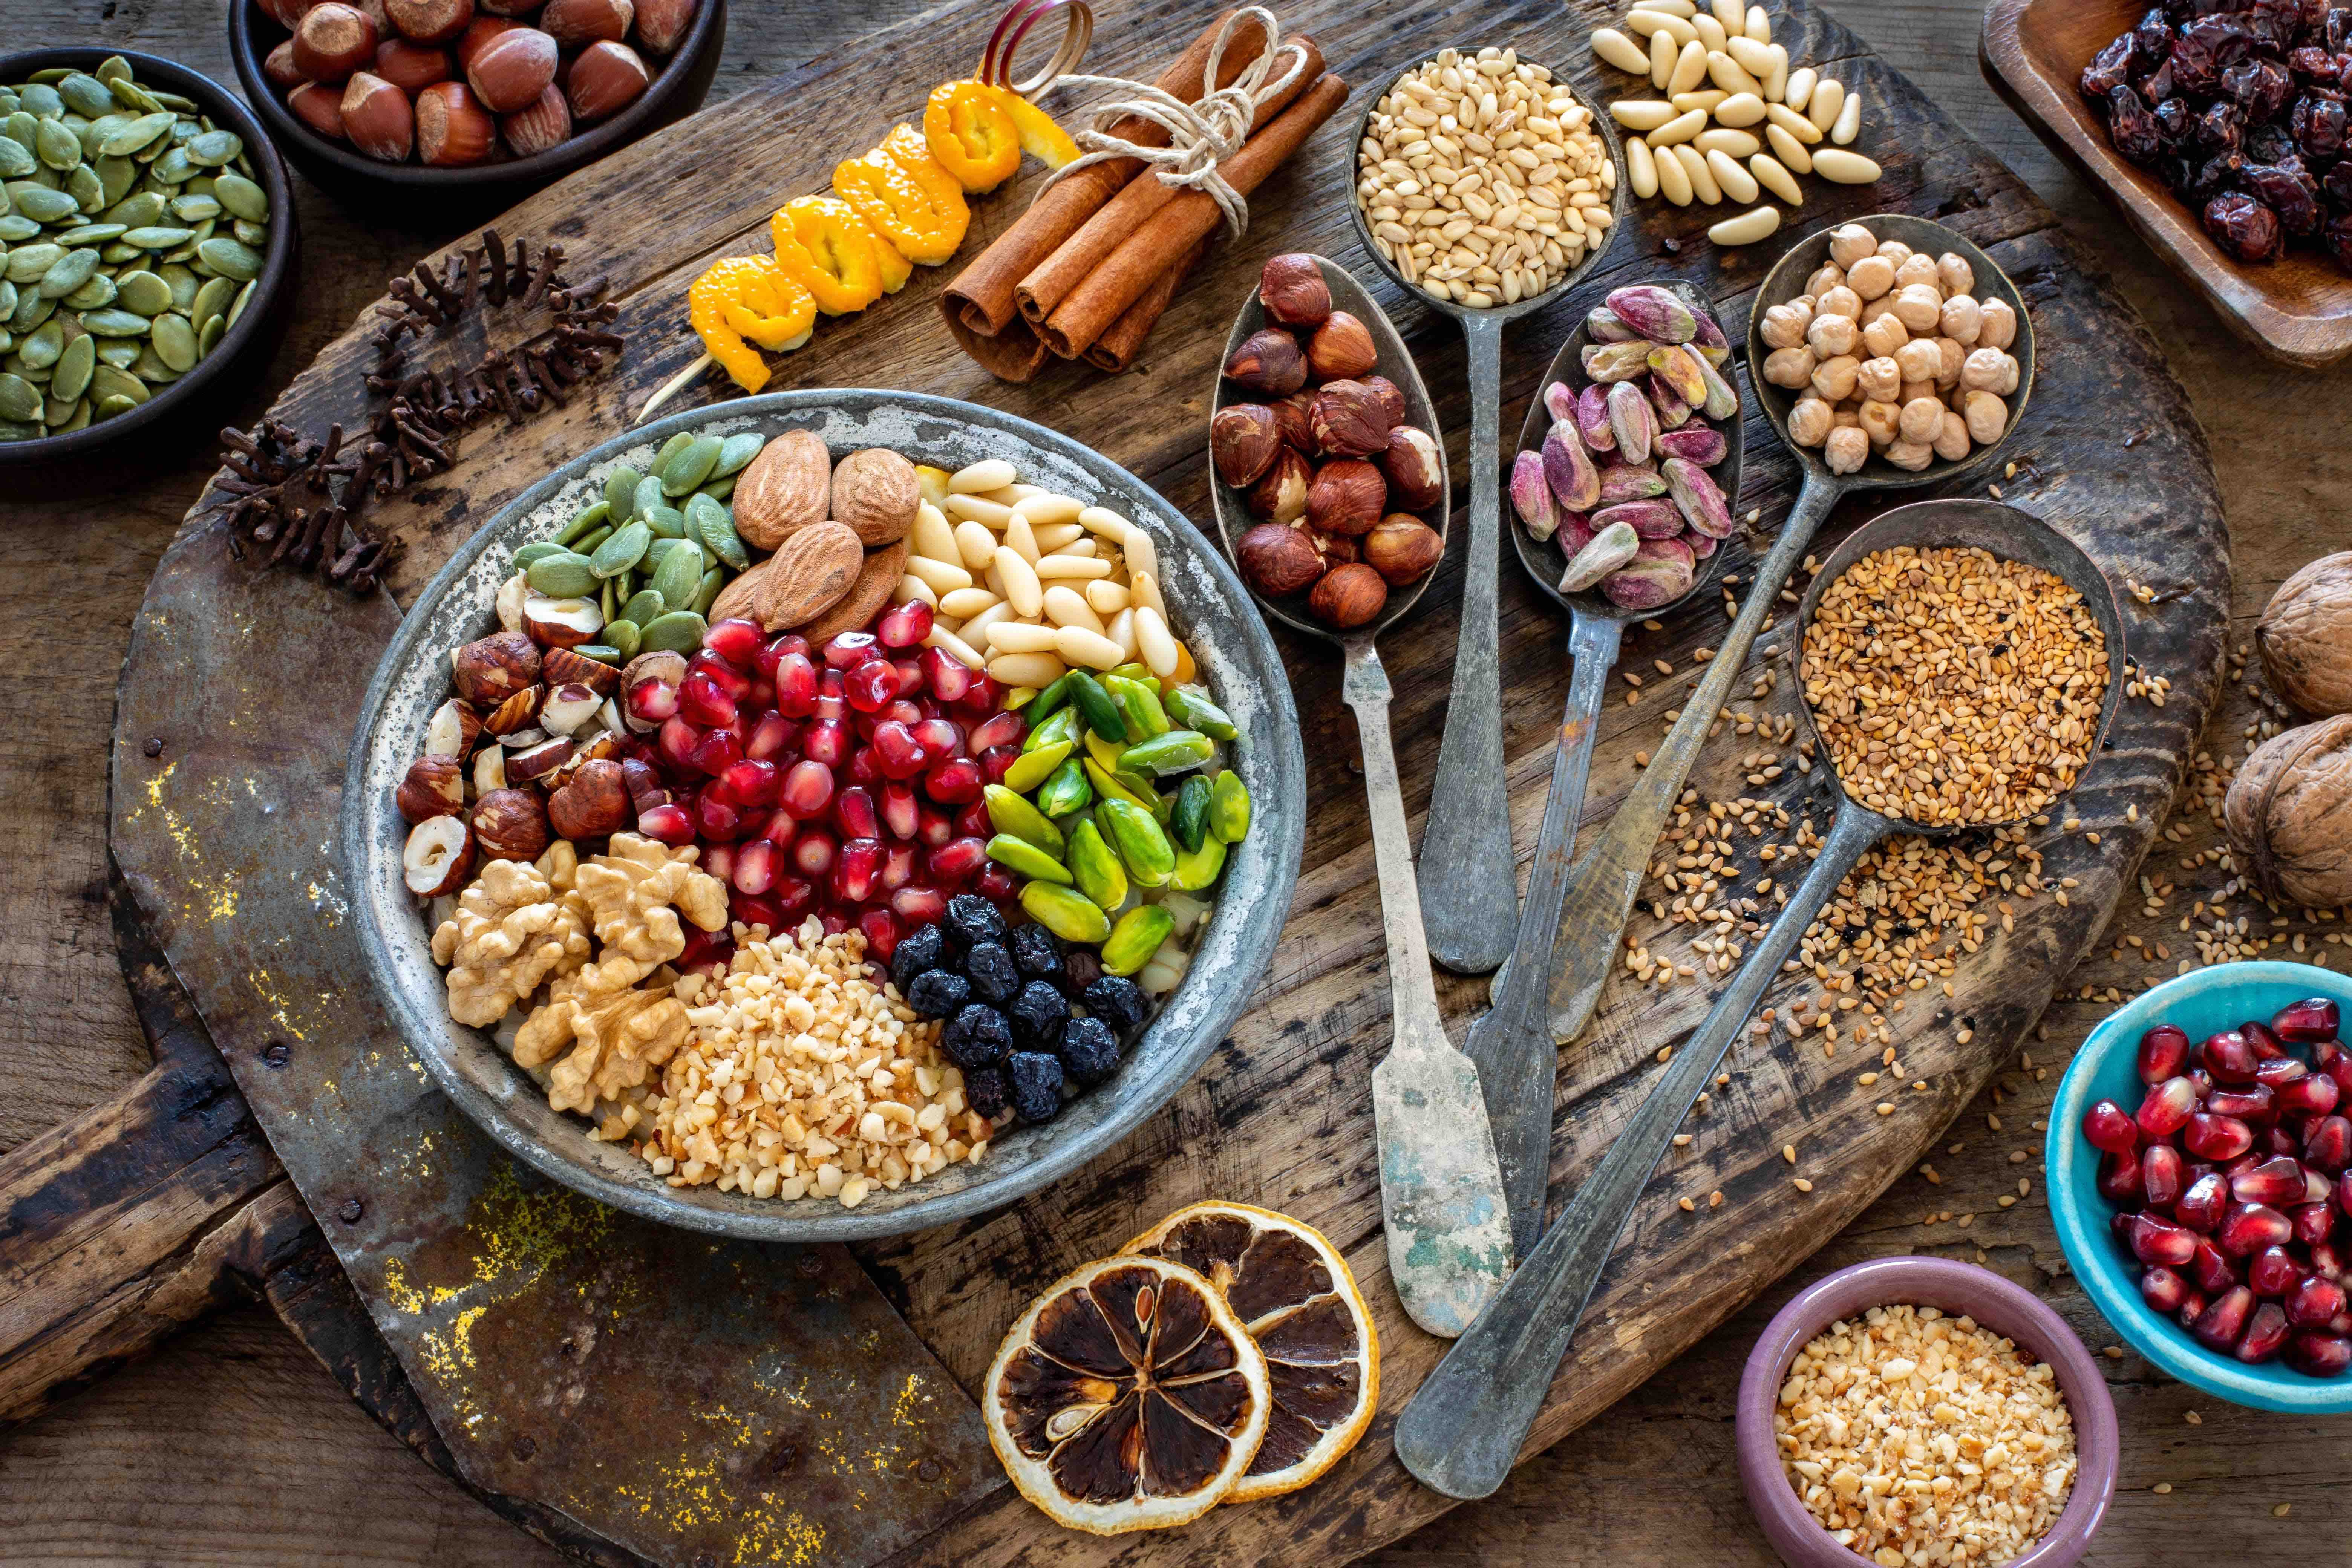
(291, 1471)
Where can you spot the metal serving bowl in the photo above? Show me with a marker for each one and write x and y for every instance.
(1213, 612)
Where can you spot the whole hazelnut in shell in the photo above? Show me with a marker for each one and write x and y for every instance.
(511, 824)
(2304, 636)
(606, 78)
(1349, 597)
(1268, 360)
(2289, 815)
(1346, 496)
(511, 70)
(1243, 440)
(490, 669)
(1402, 549)
(452, 128)
(1341, 347)
(377, 117)
(333, 41)
(1277, 560)
(1291, 288)
(430, 21)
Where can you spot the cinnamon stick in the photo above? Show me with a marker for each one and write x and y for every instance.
(1014, 354)
(981, 295)
(1123, 339)
(1168, 234)
(1068, 266)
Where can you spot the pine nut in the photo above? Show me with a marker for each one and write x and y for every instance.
(1748, 227)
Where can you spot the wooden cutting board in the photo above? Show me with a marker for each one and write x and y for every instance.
(2109, 452)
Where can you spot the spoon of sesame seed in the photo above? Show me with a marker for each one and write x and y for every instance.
(1960, 662)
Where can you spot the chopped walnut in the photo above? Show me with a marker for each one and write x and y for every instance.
(509, 935)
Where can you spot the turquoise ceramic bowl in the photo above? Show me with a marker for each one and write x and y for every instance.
(2203, 1002)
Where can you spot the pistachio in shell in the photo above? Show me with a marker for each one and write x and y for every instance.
(1531, 495)
(2289, 815)
(2305, 637)
(1607, 550)
(1661, 572)
(1590, 410)
(1569, 468)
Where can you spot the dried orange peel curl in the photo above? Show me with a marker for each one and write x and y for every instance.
(973, 135)
(823, 244)
(748, 299)
(905, 210)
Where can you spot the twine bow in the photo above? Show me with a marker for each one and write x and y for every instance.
(1199, 135)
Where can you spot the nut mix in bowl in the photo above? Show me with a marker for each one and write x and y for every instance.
(761, 868)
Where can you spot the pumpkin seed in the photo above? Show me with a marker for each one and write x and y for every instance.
(94, 294)
(229, 258)
(212, 149)
(173, 168)
(671, 448)
(209, 336)
(622, 551)
(42, 204)
(56, 145)
(184, 284)
(85, 94)
(176, 341)
(41, 101)
(211, 300)
(113, 324)
(736, 451)
(135, 212)
(68, 273)
(90, 233)
(143, 294)
(715, 530)
(71, 378)
(667, 521)
(563, 576)
(242, 197)
(643, 607)
(120, 353)
(621, 491)
(108, 407)
(690, 465)
(32, 309)
(19, 399)
(158, 237)
(252, 236)
(679, 631)
(679, 575)
(537, 550)
(137, 136)
(82, 185)
(14, 229)
(194, 209)
(27, 263)
(649, 494)
(149, 366)
(244, 298)
(76, 418)
(21, 127)
(708, 594)
(16, 160)
(624, 637)
(7, 299)
(720, 490)
(41, 351)
(583, 522)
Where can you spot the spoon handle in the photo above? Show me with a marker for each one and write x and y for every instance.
(1466, 1423)
(1519, 1065)
(1413, 994)
(1602, 885)
(1470, 902)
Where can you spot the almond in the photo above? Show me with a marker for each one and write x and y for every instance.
(786, 487)
(876, 580)
(875, 493)
(808, 574)
(740, 597)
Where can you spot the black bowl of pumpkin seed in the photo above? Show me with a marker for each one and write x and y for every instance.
(146, 234)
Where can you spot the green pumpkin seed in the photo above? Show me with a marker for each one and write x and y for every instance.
(719, 489)
(670, 448)
(143, 294)
(563, 576)
(184, 284)
(649, 494)
(158, 237)
(624, 637)
(135, 212)
(137, 136)
(68, 273)
(30, 263)
(95, 295)
(209, 336)
(90, 233)
(173, 168)
(586, 521)
(112, 323)
(244, 298)
(13, 229)
(21, 127)
(108, 407)
(737, 450)
(42, 204)
(708, 594)
(19, 399)
(680, 631)
(41, 351)
(194, 209)
(32, 309)
(1068, 913)
(708, 522)
(120, 353)
(174, 343)
(212, 149)
(679, 575)
(71, 378)
(57, 146)
(76, 418)
(622, 551)
(151, 368)
(242, 197)
(7, 299)
(107, 381)
(41, 101)
(115, 178)
(690, 465)
(537, 550)
(82, 185)
(667, 521)
(211, 300)
(620, 494)
(17, 161)
(85, 94)
(643, 607)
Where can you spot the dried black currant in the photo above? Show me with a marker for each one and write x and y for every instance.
(989, 967)
(2319, 125)
(986, 1091)
(2153, 32)
(1080, 969)
(1089, 1050)
(2160, 87)
(2134, 129)
(2336, 28)
(2217, 176)
(2290, 193)
(976, 1037)
(2243, 227)
(938, 993)
(918, 952)
(1037, 951)
(1038, 1014)
(1036, 1085)
(972, 917)
(1117, 1001)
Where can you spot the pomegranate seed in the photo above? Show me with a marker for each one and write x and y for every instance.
(755, 867)
(2317, 1355)
(861, 768)
(725, 676)
(904, 625)
(846, 650)
(898, 810)
(2276, 1182)
(793, 895)
(796, 687)
(2213, 1273)
(715, 817)
(981, 699)
(2313, 1096)
(678, 738)
(831, 700)
(2266, 1045)
(996, 762)
(2265, 1332)
(826, 742)
(668, 824)
(973, 821)
(2161, 1175)
(2307, 1021)
(908, 713)
(852, 813)
(898, 867)
(2166, 1108)
(718, 860)
(1004, 730)
(2247, 1228)
(718, 751)
(2342, 1196)
(918, 905)
(871, 686)
(2313, 1223)
(2274, 1272)
(2119, 1178)
(2327, 1262)
(2163, 1052)
(2326, 1051)
(910, 678)
(2277, 1140)
(2217, 1137)
(881, 928)
(948, 675)
(2154, 1240)
(751, 783)
(956, 782)
(772, 737)
(2163, 1289)
(2339, 1067)
(2256, 1105)
(2279, 1071)
(807, 789)
(958, 860)
(651, 701)
(781, 829)
(2202, 1203)
(2313, 1303)
(897, 752)
(834, 920)
(736, 640)
(2192, 1307)
(752, 910)
(854, 875)
(2225, 1320)
(2109, 1129)
(815, 853)
(706, 952)
(2229, 1057)
(932, 827)
(759, 697)
(943, 738)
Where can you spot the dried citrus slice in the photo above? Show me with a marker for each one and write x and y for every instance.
(1127, 1397)
(1294, 1292)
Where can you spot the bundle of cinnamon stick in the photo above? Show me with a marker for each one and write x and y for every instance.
(1087, 271)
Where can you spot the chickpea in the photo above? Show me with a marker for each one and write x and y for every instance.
(1955, 274)
(1917, 359)
(1832, 335)
(1852, 242)
(1983, 370)
(1913, 391)
(2010, 372)
(1847, 418)
(1918, 270)
(1912, 455)
(1951, 442)
(1846, 450)
(1833, 378)
(1922, 418)
(1840, 301)
(1962, 320)
(2000, 329)
(1881, 421)
(1784, 325)
(1871, 277)
(1947, 374)
(1824, 278)
(1987, 416)
(1791, 367)
(1885, 333)
(1811, 421)
(1920, 307)
(1895, 250)
(1879, 378)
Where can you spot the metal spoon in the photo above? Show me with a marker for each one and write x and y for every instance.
(1518, 1063)
(1602, 884)
(1466, 1423)
(1449, 1234)
(1470, 911)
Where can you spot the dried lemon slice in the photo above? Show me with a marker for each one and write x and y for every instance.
(1294, 1292)
(1127, 1397)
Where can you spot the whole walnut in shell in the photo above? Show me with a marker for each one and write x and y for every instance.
(2289, 815)
(2304, 636)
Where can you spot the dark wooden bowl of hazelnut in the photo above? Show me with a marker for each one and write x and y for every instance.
(441, 112)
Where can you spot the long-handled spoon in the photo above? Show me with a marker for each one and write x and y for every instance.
(1470, 906)
(1602, 884)
(1517, 1064)
(1466, 1423)
(1449, 1234)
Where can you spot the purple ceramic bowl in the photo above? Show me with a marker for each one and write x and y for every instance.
(1955, 1288)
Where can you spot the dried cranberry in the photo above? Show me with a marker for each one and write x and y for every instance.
(2289, 192)
(2216, 176)
(2135, 133)
(2312, 64)
(2111, 67)
(2243, 227)
(2336, 184)
(2159, 86)
(2319, 130)
(2220, 128)
(2338, 238)
(2154, 32)
(2262, 85)
(2175, 123)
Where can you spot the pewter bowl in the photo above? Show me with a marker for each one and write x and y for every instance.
(1211, 611)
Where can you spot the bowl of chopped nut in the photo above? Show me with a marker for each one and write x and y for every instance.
(2022, 1451)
